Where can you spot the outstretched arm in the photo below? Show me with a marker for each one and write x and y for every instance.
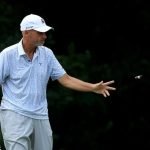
(79, 85)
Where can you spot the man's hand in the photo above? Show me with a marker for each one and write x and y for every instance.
(103, 88)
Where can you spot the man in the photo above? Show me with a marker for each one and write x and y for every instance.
(25, 69)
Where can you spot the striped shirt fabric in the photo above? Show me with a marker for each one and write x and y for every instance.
(24, 81)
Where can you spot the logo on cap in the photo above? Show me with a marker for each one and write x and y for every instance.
(28, 28)
(42, 20)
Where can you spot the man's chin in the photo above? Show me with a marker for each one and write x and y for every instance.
(40, 44)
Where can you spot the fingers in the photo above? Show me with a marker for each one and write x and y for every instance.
(101, 82)
(104, 88)
(105, 93)
(107, 88)
(109, 82)
(107, 85)
(110, 88)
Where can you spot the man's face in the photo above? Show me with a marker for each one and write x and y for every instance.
(37, 38)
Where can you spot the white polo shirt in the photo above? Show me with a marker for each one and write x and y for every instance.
(24, 82)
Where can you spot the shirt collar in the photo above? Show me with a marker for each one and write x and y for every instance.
(20, 48)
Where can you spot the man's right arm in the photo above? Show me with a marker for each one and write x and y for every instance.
(4, 67)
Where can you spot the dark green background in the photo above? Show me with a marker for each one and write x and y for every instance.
(94, 41)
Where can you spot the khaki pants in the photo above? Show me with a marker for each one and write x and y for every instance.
(24, 133)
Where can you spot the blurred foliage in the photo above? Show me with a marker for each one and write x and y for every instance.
(9, 25)
(105, 46)
(80, 117)
(73, 114)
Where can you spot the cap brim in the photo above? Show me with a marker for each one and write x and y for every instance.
(43, 28)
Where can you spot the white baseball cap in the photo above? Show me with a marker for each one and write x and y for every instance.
(34, 22)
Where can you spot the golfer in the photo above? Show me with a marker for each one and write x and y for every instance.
(25, 69)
